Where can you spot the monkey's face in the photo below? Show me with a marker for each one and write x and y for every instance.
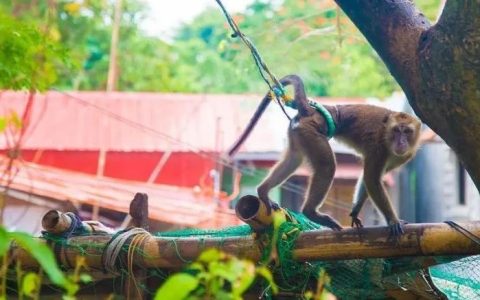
(403, 134)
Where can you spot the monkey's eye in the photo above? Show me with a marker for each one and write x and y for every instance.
(396, 129)
(408, 130)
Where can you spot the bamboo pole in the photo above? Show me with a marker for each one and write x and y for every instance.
(58, 223)
(370, 242)
(252, 211)
(426, 239)
(421, 241)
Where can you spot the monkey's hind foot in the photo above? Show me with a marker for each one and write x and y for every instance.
(396, 229)
(274, 206)
(325, 220)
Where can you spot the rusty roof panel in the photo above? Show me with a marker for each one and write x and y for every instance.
(167, 204)
(119, 121)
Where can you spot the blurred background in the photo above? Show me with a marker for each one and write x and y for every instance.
(104, 98)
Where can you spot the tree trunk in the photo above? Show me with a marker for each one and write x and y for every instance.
(438, 66)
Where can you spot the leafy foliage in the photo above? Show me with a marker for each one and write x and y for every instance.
(431, 8)
(42, 254)
(214, 274)
(28, 57)
(31, 284)
(310, 38)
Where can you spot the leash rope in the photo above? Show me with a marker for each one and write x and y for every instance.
(274, 85)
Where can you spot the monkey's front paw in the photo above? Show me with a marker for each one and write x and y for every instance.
(357, 222)
(396, 229)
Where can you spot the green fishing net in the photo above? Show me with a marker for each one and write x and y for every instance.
(453, 277)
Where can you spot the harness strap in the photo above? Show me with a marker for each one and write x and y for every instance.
(331, 127)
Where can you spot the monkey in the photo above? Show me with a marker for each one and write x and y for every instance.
(384, 139)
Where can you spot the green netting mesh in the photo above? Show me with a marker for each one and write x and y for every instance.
(361, 278)
(241, 230)
(399, 278)
(458, 279)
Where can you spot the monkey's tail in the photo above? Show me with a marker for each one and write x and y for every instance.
(253, 121)
(301, 102)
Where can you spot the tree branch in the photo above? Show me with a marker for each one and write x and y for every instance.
(449, 63)
(465, 11)
(393, 28)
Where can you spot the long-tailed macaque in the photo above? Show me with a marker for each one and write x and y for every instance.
(385, 139)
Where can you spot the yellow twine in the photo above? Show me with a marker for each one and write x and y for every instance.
(137, 240)
(286, 99)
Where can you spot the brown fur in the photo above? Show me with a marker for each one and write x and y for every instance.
(384, 138)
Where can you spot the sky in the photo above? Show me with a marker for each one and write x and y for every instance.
(164, 16)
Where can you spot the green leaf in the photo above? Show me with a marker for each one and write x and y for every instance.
(45, 257)
(3, 124)
(308, 295)
(210, 255)
(4, 241)
(245, 278)
(85, 278)
(31, 284)
(177, 287)
(267, 275)
(221, 269)
(196, 267)
(215, 286)
(15, 119)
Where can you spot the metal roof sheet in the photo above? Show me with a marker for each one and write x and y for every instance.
(169, 204)
(120, 121)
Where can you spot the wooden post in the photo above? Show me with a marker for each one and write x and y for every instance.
(139, 214)
(113, 67)
(139, 210)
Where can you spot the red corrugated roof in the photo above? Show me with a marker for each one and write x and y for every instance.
(121, 121)
(168, 204)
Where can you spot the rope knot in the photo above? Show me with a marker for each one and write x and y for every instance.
(279, 91)
(125, 241)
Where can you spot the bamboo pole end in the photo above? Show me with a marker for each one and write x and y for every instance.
(254, 212)
(55, 221)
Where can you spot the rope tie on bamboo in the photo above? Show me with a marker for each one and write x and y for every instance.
(59, 241)
(464, 232)
(75, 228)
(127, 240)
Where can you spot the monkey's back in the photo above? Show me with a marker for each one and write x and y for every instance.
(362, 126)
